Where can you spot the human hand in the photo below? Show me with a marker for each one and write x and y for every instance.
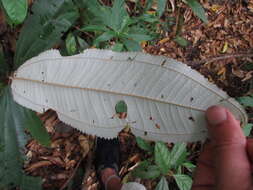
(225, 163)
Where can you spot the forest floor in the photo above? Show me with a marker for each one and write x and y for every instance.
(221, 50)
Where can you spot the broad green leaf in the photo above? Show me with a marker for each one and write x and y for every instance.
(139, 37)
(146, 171)
(94, 28)
(189, 166)
(181, 41)
(16, 10)
(44, 28)
(131, 45)
(144, 145)
(119, 14)
(106, 36)
(247, 129)
(184, 182)
(82, 44)
(118, 47)
(71, 45)
(246, 100)
(14, 119)
(178, 154)
(197, 9)
(162, 185)
(100, 14)
(162, 157)
(35, 127)
(161, 5)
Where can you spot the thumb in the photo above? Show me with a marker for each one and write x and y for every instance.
(232, 166)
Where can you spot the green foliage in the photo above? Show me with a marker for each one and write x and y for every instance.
(246, 101)
(147, 171)
(16, 10)
(14, 119)
(197, 9)
(112, 26)
(178, 155)
(71, 44)
(162, 157)
(181, 41)
(34, 125)
(163, 184)
(164, 163)
(247, 129)
(144, 145)
(44, 28)
(161, 5)
(184, 182)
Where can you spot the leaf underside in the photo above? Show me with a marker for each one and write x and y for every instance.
(165, 99)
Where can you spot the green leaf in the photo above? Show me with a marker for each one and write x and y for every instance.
(197, 9)
(121, 107)
(106, 36)
(161, 5)
(247, 129)
(146, 171)
(139, 37)
(246, 100)
(144, 145)
(82, 44)
(118, 47)
(181, 41)
(132, 45)
(71, 45)
(189, 166)
(13, 119)
(16, 10)
(35, 126)
(163, 184)
(44, 28)
(94, 28)
(178, 155)
(119, 14)
(162, 157)
(184, 182)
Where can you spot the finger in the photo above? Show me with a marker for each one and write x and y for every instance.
(231, 160)
(204, 174)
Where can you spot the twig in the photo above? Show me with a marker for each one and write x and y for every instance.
(218, 58)
(72, 175)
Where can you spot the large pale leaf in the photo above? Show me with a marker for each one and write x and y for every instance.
(166, 99)
(13, 121)
(44, 28)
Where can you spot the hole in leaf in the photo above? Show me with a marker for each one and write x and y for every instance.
(191, 118)
(121, 107)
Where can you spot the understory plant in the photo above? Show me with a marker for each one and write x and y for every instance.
(165, 164)
(43, 28)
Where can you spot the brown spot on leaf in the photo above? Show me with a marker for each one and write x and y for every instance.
(157, 126)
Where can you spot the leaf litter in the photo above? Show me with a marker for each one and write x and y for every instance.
(229, 32)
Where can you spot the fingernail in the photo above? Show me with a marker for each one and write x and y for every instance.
(216, 115)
